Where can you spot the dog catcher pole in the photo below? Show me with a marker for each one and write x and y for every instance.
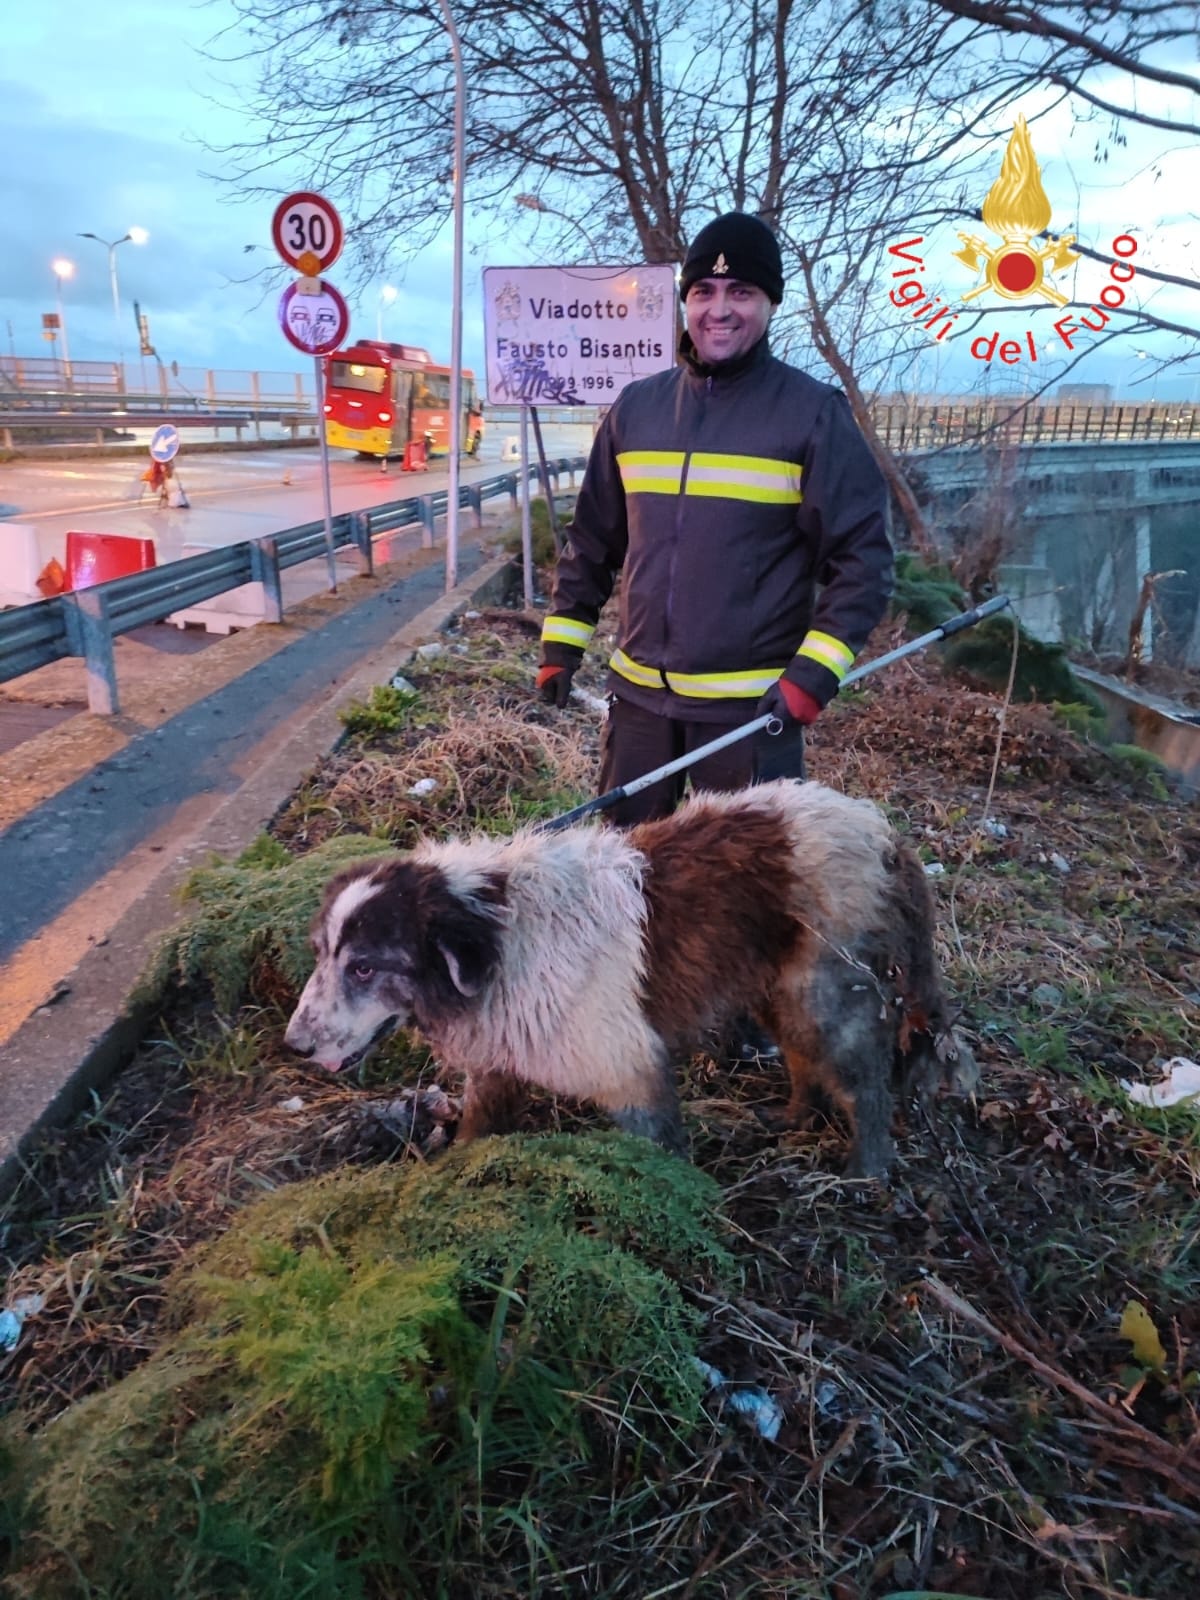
(602, 802)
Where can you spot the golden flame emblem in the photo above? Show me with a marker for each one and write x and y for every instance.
(1018, 209)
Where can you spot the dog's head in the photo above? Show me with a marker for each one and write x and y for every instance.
(397, 943)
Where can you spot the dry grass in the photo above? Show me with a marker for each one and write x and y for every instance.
(960, 1412)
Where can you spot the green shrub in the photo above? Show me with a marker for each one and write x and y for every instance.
(541, 538)
(369, 1367)
(928, 594)
(1043, 673)
(1144, 766)
(385, 712)
(250, 931)
(1086, 721)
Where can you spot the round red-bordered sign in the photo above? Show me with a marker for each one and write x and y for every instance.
(314, 323)
(305, 224)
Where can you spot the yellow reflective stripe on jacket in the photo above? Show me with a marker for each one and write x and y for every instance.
(565, 630)
(648, 677)
(651, 471)
(827, 651)
(697, 685)
(757, 478)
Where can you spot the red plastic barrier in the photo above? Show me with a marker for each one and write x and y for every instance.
(96, 557)
(416, 458)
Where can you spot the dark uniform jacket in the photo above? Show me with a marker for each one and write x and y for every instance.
(749, 518)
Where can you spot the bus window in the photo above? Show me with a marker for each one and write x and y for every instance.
(350, 375)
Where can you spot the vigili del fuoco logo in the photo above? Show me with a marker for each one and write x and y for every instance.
(1017, 212)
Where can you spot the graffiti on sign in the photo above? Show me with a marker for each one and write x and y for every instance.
(527, 380)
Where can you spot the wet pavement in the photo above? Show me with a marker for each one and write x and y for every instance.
(102, 818)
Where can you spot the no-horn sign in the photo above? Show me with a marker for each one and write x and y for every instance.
(315, 323)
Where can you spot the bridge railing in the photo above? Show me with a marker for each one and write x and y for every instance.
(931, 427)
(97, 421)
(916, 424)
(86, 622)
(911, 425)
(22, 376)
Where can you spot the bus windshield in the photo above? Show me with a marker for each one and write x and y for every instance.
(351, 375)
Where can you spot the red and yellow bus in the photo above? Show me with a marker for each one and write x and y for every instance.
(379, 397)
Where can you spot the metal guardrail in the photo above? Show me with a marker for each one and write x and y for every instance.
(31, 636)
(86, 622)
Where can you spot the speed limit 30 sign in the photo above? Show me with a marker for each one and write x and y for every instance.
(307, 232)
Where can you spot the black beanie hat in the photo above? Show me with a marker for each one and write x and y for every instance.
(736, 245)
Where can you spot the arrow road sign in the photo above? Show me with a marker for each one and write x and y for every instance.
(164, 446)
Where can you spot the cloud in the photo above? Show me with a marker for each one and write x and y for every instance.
(113, 127)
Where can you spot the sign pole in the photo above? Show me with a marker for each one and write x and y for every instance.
(307, 232)
(325, 486)
(546, 489)
(526, 529)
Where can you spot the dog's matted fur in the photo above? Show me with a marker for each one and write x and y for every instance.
(581, 960)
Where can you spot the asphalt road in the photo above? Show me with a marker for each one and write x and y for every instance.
(233, 495)
(106, 817)
(62, 847)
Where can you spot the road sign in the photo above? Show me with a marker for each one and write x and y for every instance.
(316, 323)
(307, 232)
(164, 446)
(569, 336)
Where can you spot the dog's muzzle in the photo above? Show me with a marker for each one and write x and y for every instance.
(384, 1031)
(301, 1039)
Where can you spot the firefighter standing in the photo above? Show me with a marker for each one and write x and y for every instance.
(741, 502)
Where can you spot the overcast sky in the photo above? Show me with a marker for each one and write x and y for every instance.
(110, 103)
(104, 112)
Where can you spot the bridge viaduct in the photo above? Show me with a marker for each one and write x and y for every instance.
(1079, 525)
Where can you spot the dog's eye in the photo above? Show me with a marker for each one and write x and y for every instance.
(362, 971)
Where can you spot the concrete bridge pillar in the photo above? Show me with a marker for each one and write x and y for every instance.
(1143, 557)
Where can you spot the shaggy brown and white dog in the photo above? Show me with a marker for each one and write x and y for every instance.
(581, 960)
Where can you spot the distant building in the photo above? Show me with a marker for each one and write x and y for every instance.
(1084, 394)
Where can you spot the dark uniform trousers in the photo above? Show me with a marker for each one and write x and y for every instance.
(635, 741)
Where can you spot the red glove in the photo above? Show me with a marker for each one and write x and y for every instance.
(790, 703)
(554, 685)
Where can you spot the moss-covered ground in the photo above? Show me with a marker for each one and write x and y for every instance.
(289, 1341)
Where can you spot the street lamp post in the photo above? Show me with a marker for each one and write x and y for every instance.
(460, 145)
(534, 202)
(62, 270)
(386, 297)
(134, 236)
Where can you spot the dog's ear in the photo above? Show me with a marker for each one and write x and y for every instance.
(467, 972)
(466, 933)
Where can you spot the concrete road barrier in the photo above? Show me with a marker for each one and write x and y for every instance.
(20, 563)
